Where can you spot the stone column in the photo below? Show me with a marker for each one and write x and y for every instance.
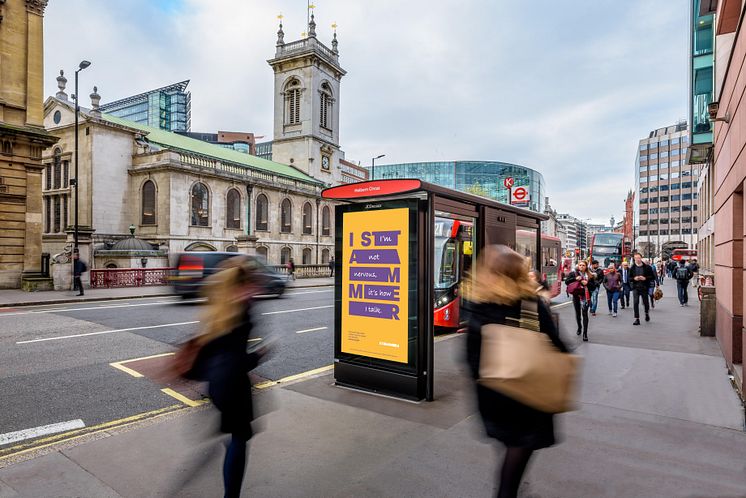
(246, 244)
(34, 228)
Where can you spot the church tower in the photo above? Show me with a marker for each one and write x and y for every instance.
(306, 112)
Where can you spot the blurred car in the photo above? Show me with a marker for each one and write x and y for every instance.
(192, 268)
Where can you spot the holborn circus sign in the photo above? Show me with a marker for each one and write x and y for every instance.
(375, 256)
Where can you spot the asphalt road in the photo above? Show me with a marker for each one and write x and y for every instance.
(52, 372)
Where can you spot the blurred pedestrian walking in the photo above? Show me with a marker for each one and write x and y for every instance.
(613, 284)
(580, 284)
(643, 277)
(291, 269)
(598, 274)
(500, 294)
(331, 265)
(694, 268)
(224, 362)
(683, 275)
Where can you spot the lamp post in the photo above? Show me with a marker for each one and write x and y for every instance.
(373, 166)
(83, 64)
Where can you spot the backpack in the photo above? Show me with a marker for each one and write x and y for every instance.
(682, 273)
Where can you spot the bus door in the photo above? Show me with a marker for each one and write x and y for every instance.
(453, 250)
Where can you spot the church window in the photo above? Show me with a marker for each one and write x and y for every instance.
(325, 114)
(262, 208)
(307, 219)
(285, 216)
(47, 215)
(292, 102)
(261, 254)
(57, 213)
(285, 255)
(306, 256)
(233, 209)
(148, 203)
(64, 213)
(325, 221)
(200, 205)
(57, 168)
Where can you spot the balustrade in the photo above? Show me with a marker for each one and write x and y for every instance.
(129, 277)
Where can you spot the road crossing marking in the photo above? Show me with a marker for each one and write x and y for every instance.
(299, 309)
(101, 332)
(182, 398)
(89, 308)
(44, 430)
(311, 330)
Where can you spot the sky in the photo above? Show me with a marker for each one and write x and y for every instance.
(566, 88)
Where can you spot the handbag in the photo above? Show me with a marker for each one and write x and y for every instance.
(184, 362)
(573, 287)
(522, 363)
(658, 294)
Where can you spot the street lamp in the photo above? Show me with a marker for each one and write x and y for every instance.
(373, 166)
(81, 66)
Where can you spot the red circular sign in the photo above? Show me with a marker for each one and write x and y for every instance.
(508, 182)
(520, 193)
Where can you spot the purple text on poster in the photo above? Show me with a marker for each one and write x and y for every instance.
(369, 274)
(374, 310)
(375, 256)
(382, 292)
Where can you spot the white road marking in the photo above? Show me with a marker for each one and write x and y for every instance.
(61, 310)
(311, 330)
(299, 309)
(13, 437)
(310, 292)
(101, 332)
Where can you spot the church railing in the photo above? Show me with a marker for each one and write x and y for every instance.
(129, 277)
(305, 271)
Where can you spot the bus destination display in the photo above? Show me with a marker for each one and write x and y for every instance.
(375, 256)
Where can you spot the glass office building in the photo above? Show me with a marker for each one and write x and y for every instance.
(168, 108)
(483, 178)
(702, 62)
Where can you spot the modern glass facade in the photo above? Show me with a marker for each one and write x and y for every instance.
(702, 73)
(168, 108)
(483, 178)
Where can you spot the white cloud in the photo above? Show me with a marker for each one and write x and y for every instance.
(566, 88)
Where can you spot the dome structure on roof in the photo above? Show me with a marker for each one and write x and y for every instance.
(132, 244)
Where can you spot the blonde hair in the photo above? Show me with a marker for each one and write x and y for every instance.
(501, 277)
(226, 293)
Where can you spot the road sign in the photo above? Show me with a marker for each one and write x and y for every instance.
(509, 182)
(519, 196)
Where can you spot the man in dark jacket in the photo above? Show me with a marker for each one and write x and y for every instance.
(599, 274)
(642, 276)
(683, 275)
(79, 267)
(331, 265)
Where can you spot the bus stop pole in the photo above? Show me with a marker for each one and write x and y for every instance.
(427, 313)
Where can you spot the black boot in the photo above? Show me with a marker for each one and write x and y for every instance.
(647, 317)
(636, 322)
(579, 330)
(585, 336)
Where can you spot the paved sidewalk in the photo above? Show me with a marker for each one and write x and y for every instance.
(17, 297)
(658, 418)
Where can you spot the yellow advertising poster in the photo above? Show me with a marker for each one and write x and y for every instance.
(375, 259)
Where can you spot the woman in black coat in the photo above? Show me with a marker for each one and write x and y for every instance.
(500, 283)
(586, 284)
(224, 362)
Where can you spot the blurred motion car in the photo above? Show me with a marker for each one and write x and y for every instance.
(192, 268)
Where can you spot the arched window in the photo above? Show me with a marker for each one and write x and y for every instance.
(286, 212)
(325, 112)
(231, 248)
(307, 218)
(262, 208)
(326, 221)
(233, 209)
(148, 203)
(306, 256)
(261, 254)
(324, 256)
(200, 205)
(292, 102)
(285, 255)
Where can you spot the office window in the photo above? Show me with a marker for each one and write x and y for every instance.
(653, 167)
(686, 185)
(663, 143)
(654, 189)
(663, 209)
(664, 198)
(664, 153)
(643, 232)
(663, 176)
(643, 201)
(653, 178)
(643, 168)
(675, 164)
(663, 166)
(675, 152)
(643, 146)
(663, 188)
(643, 190)
(643, 222)
(643, 211)
(653, 210)
(676, 197)
(643, 157)
(675, 209)
(674, 140)
(653, 200)
(674, 175)
(653, 155)
(675, 186)
(664, 232)
(643, 179)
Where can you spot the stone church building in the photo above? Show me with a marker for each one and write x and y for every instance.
(181, 194)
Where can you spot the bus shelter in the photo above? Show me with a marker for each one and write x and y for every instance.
(402, 249)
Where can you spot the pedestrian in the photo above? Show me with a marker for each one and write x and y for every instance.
(598, 275)
(642, 276)
(79, 268)
(612, 282)
(683, 275)
(223, 360)
(291, 268)
(694, 268)
(496, 295)
(624, 277)
(580, 284)
(542, 287)
(331, 265)
(661, 272)
(671, 267)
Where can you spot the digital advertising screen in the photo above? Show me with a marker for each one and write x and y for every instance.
(375, 284)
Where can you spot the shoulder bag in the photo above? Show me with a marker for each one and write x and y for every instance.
(521, 362)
